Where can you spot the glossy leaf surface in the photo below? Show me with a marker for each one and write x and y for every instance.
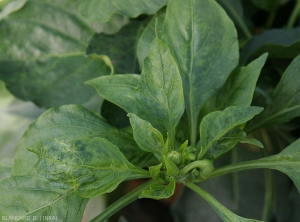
(148, 138)
(285, 101)
(90, 166)
(278, 43)
(159, 191)
(72, 122)
(155, 96)
(238, 89)
(32, 197)
(200, 36)
(51, 59)
(132, 8)
(218, 123)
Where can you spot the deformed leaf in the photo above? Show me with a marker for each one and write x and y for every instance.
(72, 122)
(148, 138)
(29, 196)
(218, 123)
(133, 8)
(238, 89)
(159, 191)
(285, 101)
(49, 68)
(155, 170)
(200, 36)
(172, 169)
(158, 96)
(90, 166)
(279, 43)
(228, 141)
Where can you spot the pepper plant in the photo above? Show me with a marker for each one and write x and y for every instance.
(189, 106)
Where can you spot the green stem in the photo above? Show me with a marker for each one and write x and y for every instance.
(235, 182)
(268, 199)
(294, 15)
(203, 165)
(271, 18)
(237, 18)
(122, 202)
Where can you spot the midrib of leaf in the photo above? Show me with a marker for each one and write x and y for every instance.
(54, 30)
(261, 123)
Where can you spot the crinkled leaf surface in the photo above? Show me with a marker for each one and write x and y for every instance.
(218, 123)
(72, 122)
(120, 47)
(223, 212)
(30, 196)
(159, 191)
(155, 96)
(90, 166)
(102, 10)
(147, 137)
(279, 43)
(147, 36)
(41, 53)
(228, 141)
(203, 41)
(285, 101)
(238, 89)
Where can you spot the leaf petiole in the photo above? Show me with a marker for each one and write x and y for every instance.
(123, 201)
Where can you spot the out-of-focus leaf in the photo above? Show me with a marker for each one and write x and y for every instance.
(102, 10)
(269, 5)
(32, 197)
(285, 101)
(114, 115)
(72, 122)
(41, 53)
(200, 41)
(148, 35)
(120, 47)
(90, 166)
(218, 123)
(155, 96)
(279, 43)
(159, 191)
(238, 89)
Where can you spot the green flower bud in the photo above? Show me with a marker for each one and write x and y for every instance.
(175, 157)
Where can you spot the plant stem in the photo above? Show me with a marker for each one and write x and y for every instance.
(237, 18)
(122, 202)
(201, 164)
(235, 181)
(294, 15)
(268, 199)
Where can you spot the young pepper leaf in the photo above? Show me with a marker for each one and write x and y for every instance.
(238, 89)
(285, 102)
(30, 196)
(228, 141)
(155, 170)
(90, 166)
(218, 123)
(159, 191)
(158, 95)
(200, 36)
(147, 137)
(73, 122)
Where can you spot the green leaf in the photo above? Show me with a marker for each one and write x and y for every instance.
(159, 191)
(90, 166)
(148, 35)
(71, 122)
(32, 197)
(148, 138)
(285, 101)
(218, 123)
(155, 170)
(269, 5)
(200, 41)
(155, 96)
(172, 169)
(120, 48)
(279, 43)
(225, 214)
(238, 89)
(132, 8)
(228, 141)
(51, 59)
